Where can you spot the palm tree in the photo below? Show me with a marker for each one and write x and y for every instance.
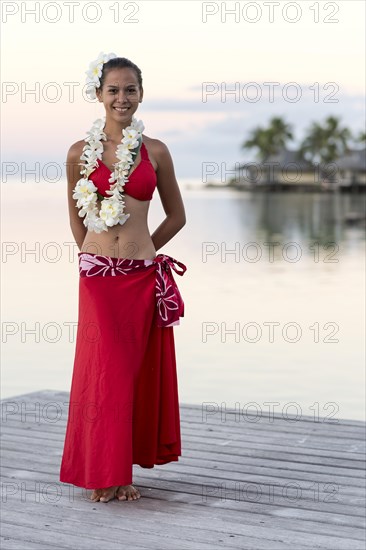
(269, 141)
(361, 138)
(324, 144)
(281, 132)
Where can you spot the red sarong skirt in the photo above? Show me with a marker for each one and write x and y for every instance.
(123, 407)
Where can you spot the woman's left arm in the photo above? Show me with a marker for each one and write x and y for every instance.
(170, 196)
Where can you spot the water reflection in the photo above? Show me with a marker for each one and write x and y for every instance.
(301, 217)
(222, 288)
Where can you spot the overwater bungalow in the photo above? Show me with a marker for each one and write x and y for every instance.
(287, 169)
(352, 169)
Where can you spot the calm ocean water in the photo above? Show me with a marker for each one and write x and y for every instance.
(274, 298)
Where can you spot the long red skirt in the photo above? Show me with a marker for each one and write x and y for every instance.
(124, 406)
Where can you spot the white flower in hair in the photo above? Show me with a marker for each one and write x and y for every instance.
(95, 72)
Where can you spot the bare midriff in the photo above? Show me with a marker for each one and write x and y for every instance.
(131, 240)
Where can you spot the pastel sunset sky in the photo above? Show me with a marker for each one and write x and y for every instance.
(180, 46)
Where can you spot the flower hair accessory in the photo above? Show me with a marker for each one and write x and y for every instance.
(95, 72)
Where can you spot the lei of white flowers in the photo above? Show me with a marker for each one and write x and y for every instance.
(85, 192)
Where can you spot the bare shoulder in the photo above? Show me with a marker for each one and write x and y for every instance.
(156, 144)
(73, 162)
(158, 151)
(75, 151)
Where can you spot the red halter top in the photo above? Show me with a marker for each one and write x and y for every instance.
(141, 181)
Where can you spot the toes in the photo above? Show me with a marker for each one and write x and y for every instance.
(128, 493)
(95, 496)
(107, 495)
(121, 494)
(105, 498)
(133, 494)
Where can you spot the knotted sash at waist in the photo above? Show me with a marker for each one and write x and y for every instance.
(169, 302)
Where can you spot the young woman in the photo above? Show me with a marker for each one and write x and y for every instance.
(123, 406)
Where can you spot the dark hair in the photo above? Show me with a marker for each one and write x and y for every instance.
(120, 63)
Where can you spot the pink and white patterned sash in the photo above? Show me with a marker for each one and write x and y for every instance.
(169, 302)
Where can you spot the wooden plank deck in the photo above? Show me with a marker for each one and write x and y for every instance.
(272, 484)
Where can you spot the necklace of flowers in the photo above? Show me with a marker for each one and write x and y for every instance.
(86, 193)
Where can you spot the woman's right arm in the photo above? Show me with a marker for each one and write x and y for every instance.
(73, 175)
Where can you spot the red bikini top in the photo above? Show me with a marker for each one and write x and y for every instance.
(140, 187)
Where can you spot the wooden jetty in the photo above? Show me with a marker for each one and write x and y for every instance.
(242, 482)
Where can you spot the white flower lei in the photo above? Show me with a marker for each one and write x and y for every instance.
(85, 192)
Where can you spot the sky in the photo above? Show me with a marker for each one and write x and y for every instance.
(310, 54)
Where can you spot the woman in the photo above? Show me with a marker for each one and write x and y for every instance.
(123, 401)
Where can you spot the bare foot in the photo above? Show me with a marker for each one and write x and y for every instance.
(127, 492)
(104, 495)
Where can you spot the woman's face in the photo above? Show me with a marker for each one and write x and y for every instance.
(120, 94)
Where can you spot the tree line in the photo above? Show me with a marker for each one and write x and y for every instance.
(323, 142)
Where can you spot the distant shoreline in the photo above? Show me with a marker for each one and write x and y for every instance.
(316, 187)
